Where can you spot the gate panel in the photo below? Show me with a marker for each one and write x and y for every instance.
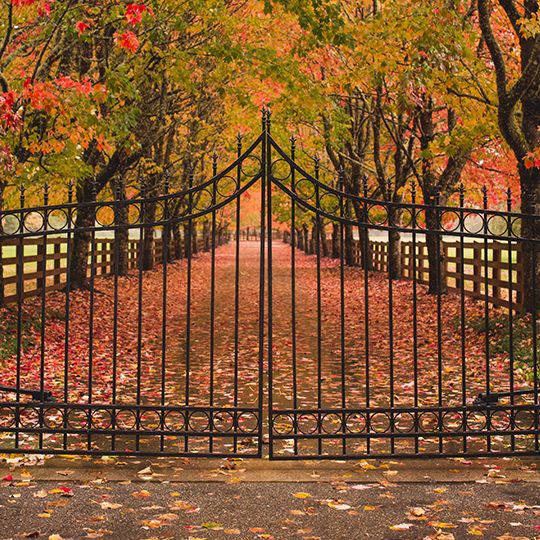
(367, 365)
(156, 349)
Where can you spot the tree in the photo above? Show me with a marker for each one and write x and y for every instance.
(519, 115)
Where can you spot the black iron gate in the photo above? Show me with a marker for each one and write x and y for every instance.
(165, 351)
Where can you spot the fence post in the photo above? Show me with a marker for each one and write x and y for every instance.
(57, 265)
(496, 271)
(41, 261)
(477, 270)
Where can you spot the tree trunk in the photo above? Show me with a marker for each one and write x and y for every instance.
(206, 236)
(325, 252)
(436, 258)
(394, 243)
(305, 232)
(349, 246)
(148, 243)
(187, 245)
(120, 255)
(335, 240)
(81, 238)
(195, 245)
(530, 230)
(176, 241)
(299, 240)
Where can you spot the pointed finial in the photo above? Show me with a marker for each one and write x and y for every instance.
(317, 163)
(413, 192)
(389, 189)
(239, 139)
(437, 195)
(70, 190)
(46, 193)
(191, 173)
(461, 195)
(485, 196)
(365, 185)
(22, 190)
(93, 188)
(509, 199)
(214, 163)
(166, 181)
(341, 173)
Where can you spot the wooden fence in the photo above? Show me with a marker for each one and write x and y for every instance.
(499, 261)
(46, 266)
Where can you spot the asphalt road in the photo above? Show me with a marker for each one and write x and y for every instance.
(285, 510)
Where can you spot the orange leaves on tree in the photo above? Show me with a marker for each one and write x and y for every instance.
(127, 40)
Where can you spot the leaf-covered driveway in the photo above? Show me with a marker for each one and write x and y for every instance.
(146, 362)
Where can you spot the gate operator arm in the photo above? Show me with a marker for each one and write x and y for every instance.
(37, 395)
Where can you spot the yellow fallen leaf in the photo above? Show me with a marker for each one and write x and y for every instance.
(301, 495)
(441, 525)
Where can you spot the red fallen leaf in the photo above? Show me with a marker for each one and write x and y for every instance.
(7, 478)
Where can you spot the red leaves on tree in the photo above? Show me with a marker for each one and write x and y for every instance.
(81, 26)
(134, 13)
(127, 40)
(19, 3)
(9, 119)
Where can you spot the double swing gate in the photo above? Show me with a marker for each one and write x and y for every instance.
(347, 334)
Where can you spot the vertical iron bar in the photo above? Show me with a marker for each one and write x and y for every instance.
(319, 305)
(237, 286)
(67, 305)
(439, 286)
(511, 311)
(413, 263)
(143, 221)
(165, 261)
(391, 225)
(535, 339)
(342, 312)
(293, 294)
(91, 311)
(366, 311)
(486, 307)
(43, 308)
(116, 270)
(463, 320)
(265, 185)
(189, 247)
(213, 303)
(20, 304)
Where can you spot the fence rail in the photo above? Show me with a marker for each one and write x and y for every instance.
(501, 262)
(46, 264)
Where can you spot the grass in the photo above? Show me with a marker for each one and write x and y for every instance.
(8, 333)
(506, 339)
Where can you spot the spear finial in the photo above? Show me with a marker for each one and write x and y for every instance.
(70, 190)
